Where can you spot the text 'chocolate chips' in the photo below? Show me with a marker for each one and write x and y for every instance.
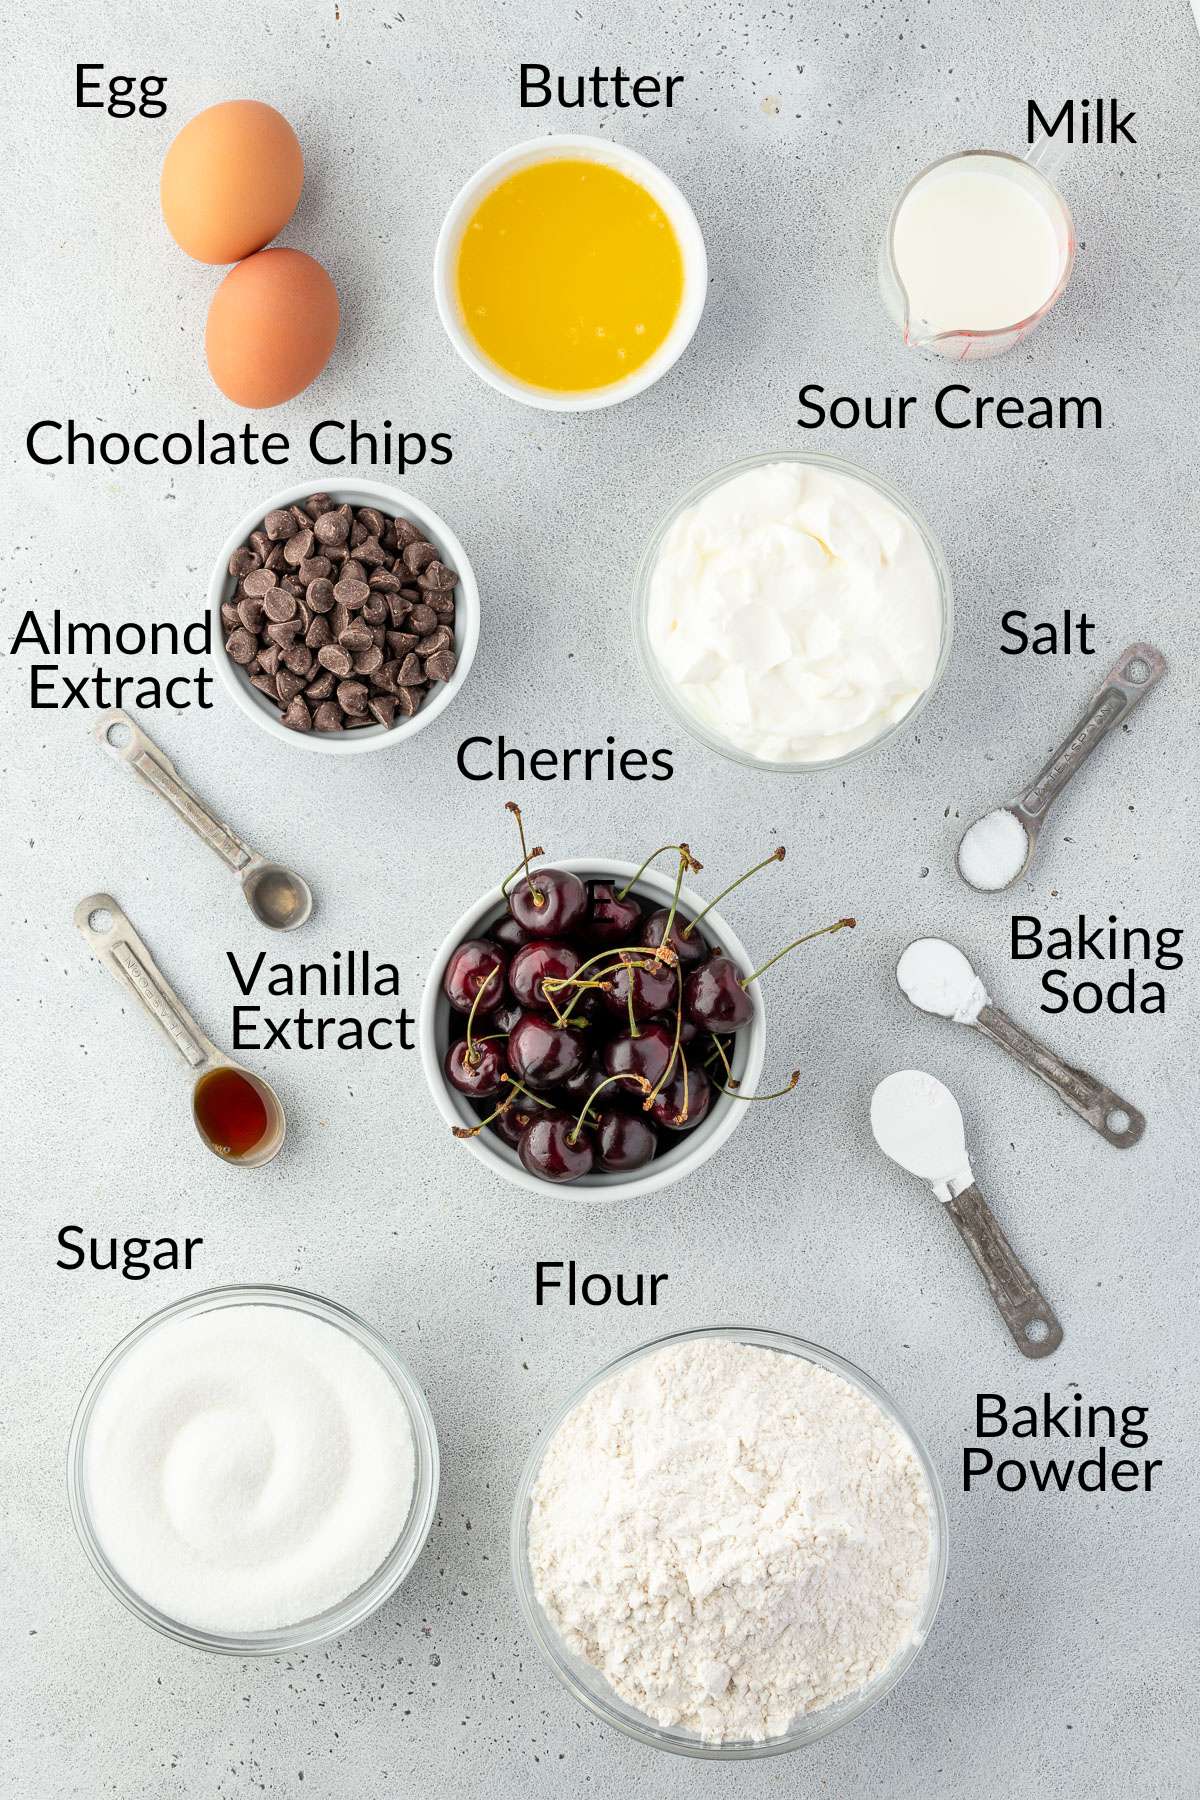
(342, 617)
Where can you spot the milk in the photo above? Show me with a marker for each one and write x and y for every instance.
(976, 247)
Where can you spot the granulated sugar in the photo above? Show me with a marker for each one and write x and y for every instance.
(734, 1536)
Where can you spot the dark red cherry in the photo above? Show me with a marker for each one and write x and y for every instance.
(542, 1054)
(468, 970)
(508, 934)
(624, 1142)
(612, 920)
(532, 964)
(549, 903)
(714, 997)
(585, 1080)
(550, 1149)
(478, 1073)
(511, 1125)
(647, 1055)
(691, 951)
(653, 990)
(507, 1014)
(669, 1103)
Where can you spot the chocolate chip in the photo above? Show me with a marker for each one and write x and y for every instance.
(352, 696)
(318, 633)
(353, 570)
(405, 533)
(321, 686)
(374, 520)
(274, 557)
(351, 594)
(442, 605)
(382, 581)
(279, 524)
(398, 609)
(367, 661)
(259, 582)
(437, 640)
(333, 657)
(299, 659)
(297, 717)
(371, 553)
(265, 685)
(250, 613)
(316, 504)
(268, 658)
(319, 595)
(280, 605)
(356, 637)
(260, 543)
(410, 673)
(288, 685)
(436, 578)
(298, 547)
(408, 699)
(282, 632)
(241, 646)
(382, 710)
(422, 619)
(314, 568)
(333, 527)
(231, 617)
(399, 642)
(442, 666)
(242, 561)
(328, 716)
(418, 556)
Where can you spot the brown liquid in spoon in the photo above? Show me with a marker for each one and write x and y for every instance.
(230, 1112)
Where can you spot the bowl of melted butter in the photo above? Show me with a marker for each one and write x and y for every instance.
(570, 273)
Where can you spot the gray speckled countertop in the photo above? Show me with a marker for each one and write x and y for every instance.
(1055, 1665)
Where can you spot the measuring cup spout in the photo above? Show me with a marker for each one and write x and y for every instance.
(1048, 155)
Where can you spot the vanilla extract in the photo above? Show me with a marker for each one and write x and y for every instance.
(347, 975)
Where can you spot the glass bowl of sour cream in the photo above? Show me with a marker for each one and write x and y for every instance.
(793, 612)
(253, 1470)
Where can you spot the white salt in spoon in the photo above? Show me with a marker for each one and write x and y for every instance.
(916, 1121)
(998, 848)
(937, 978)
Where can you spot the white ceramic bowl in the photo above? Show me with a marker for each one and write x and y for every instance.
(640, 169)
(694, 1147)
(392, 501)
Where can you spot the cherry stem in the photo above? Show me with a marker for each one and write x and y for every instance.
(537, 893)
(666, 1074)
(777, 1095)
(681, 1115)
(841, 925)
(775, 856)
(471, 1054)
(462, 1131)
(536, 851)
(719, 1049)
(682, 850)
(640, 1080)
(664, 952)
(577, 979)
(548, 1104)
(633, 1030)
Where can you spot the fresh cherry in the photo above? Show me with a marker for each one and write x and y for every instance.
(477, 1072)
(715, 998)
(507, 1014)
(624, 1142)
(531, 966)
(585, 1080)
(548, 903)
(468, 971)
(669, 1103)
(612, 920)
(653, 990)
(691, 951)
(508, 934)
(647, 1055)
(511, 1124)
(553, 1149)
(542, 1054)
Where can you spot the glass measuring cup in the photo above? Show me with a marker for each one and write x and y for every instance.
(1034, 173)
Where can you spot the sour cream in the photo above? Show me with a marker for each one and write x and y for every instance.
(796, 612)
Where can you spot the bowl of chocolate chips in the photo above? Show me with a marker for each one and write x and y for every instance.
(345, 620)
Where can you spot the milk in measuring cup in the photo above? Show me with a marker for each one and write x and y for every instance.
(975, 247)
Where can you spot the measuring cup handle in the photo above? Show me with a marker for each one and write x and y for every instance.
(1048, 155)
(1138, 668)
(144, 758)
(1094, 1102)
(1018, 1298)
(113, 939)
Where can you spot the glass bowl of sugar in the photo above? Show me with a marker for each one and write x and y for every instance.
(646, 1538)
(253, 1470)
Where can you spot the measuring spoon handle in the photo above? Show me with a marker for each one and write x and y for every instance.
(144, 759)
(113, 939)
(1098, 1105)
(1135, 672)
(1018, 1298)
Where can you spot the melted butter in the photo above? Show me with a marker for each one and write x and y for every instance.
(570, 275)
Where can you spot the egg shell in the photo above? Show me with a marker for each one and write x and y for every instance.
(271, 327)
(231, 180)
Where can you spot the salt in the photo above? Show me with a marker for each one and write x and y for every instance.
(993, 851)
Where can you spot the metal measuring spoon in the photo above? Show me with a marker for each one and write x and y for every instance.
(277, 896)
(1118, 1123)
(1135, 672)
(917, 1123)
(113, 939)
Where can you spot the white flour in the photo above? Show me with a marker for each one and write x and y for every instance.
(732, 1535)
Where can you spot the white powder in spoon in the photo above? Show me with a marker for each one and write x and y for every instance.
(993, 850)
(734, 1536)
(937, 977)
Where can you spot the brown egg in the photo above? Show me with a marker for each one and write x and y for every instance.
(271, 327)
(231, 180)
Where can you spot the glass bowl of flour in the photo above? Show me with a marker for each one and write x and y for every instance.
(729, 1543)
(253, 1470)
(793, 612)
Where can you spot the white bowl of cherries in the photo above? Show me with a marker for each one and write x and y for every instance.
(595, 1026)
